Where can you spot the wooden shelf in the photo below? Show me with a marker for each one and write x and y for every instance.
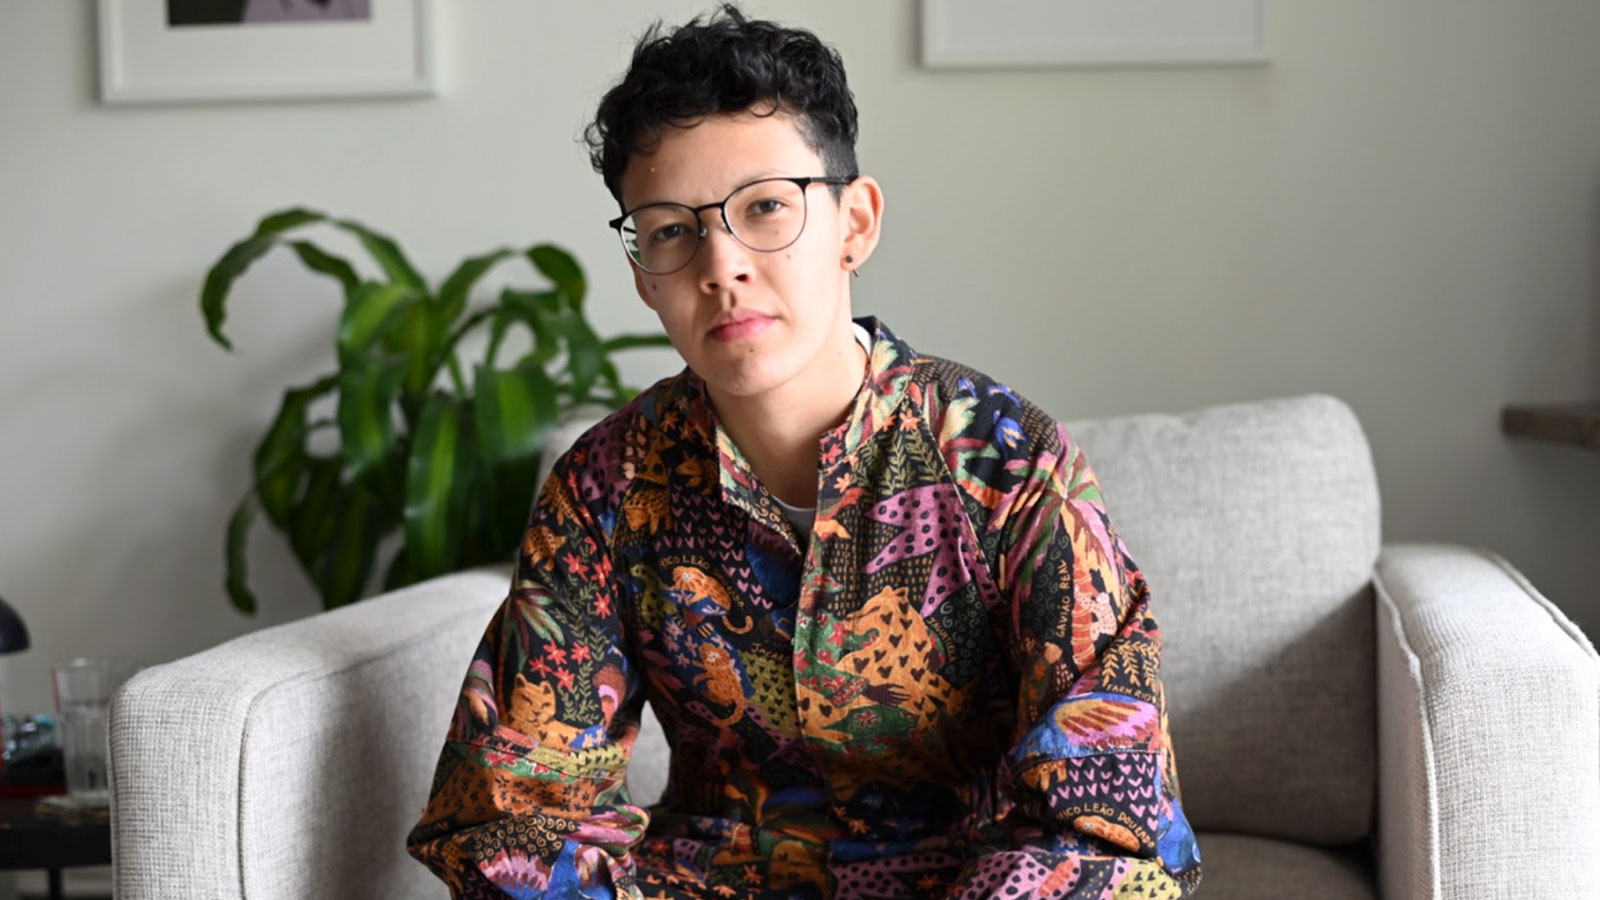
(1572, 423)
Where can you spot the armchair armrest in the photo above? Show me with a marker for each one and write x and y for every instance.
(288, 763)
(1488, 732)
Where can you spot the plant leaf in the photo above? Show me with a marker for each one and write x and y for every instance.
(237, 575)
(373, 307)
(399, 573)
(220, 278)
(504, 318)
(584, 353)
(283, 220)
(608, 374)
(388, 255)
(531, 308)
(354, 542)
(514, 411)
(317, 260)
(368, 387)
(280, 456)
(432, 530)
(453, 293)
(389, 483)
(477, 491)
(517, 307)
(632, 341)
(562, 270)
(311, 522)
(419, 335)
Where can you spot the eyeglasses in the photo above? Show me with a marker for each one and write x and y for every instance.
(766, 216)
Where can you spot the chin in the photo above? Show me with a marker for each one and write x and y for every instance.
(751, 374)
(744, 383)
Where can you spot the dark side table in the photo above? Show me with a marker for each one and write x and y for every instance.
(29, 840)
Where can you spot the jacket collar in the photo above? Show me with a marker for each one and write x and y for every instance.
(883, 385)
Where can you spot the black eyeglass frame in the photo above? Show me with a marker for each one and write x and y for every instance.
(721, 207)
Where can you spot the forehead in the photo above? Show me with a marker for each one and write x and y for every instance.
(702, 162)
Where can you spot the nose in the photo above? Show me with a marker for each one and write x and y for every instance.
(723, 261)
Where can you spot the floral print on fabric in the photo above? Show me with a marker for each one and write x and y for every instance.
(949, 688)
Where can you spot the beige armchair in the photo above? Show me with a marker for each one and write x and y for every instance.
(1352, 719)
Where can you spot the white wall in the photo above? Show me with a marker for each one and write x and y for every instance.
(1401, 211)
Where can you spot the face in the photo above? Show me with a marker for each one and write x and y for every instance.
(790, 308)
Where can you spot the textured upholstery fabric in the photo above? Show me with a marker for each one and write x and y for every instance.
(288, 763)
(1239, 867)
(1489, 728)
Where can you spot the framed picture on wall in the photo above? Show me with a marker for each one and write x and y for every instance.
(1033, 33)
(180, 51)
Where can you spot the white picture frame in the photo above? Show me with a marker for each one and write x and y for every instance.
(143, 60)
(974, 34)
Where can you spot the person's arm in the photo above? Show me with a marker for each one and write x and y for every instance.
(1093, 772)
(528, 798)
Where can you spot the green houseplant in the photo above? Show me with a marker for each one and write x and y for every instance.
(447, 461)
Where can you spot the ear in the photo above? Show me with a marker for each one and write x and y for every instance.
(860, 217)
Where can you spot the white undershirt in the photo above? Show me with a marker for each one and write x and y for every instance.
(803, 516)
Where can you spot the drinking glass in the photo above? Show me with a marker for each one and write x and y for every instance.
(84, 687)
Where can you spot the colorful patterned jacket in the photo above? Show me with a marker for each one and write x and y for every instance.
(951, 688)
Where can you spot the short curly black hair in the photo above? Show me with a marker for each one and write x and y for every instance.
(728, 63)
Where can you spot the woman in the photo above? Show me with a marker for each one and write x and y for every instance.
(873, 596)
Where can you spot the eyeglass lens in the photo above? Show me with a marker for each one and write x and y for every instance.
(766, 215)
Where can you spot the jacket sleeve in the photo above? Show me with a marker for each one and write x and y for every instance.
(528, 797)
(1093, 773)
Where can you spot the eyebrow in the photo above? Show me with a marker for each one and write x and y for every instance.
(757, 176)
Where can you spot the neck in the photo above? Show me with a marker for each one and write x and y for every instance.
(778, 431)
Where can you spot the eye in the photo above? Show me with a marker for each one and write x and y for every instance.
(766, 206)
(667, 233)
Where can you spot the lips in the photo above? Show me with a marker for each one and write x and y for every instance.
(735, 326)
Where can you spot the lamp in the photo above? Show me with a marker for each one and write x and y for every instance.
(13, 637)
(13, 634)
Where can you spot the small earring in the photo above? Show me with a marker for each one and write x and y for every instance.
(849, 259)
